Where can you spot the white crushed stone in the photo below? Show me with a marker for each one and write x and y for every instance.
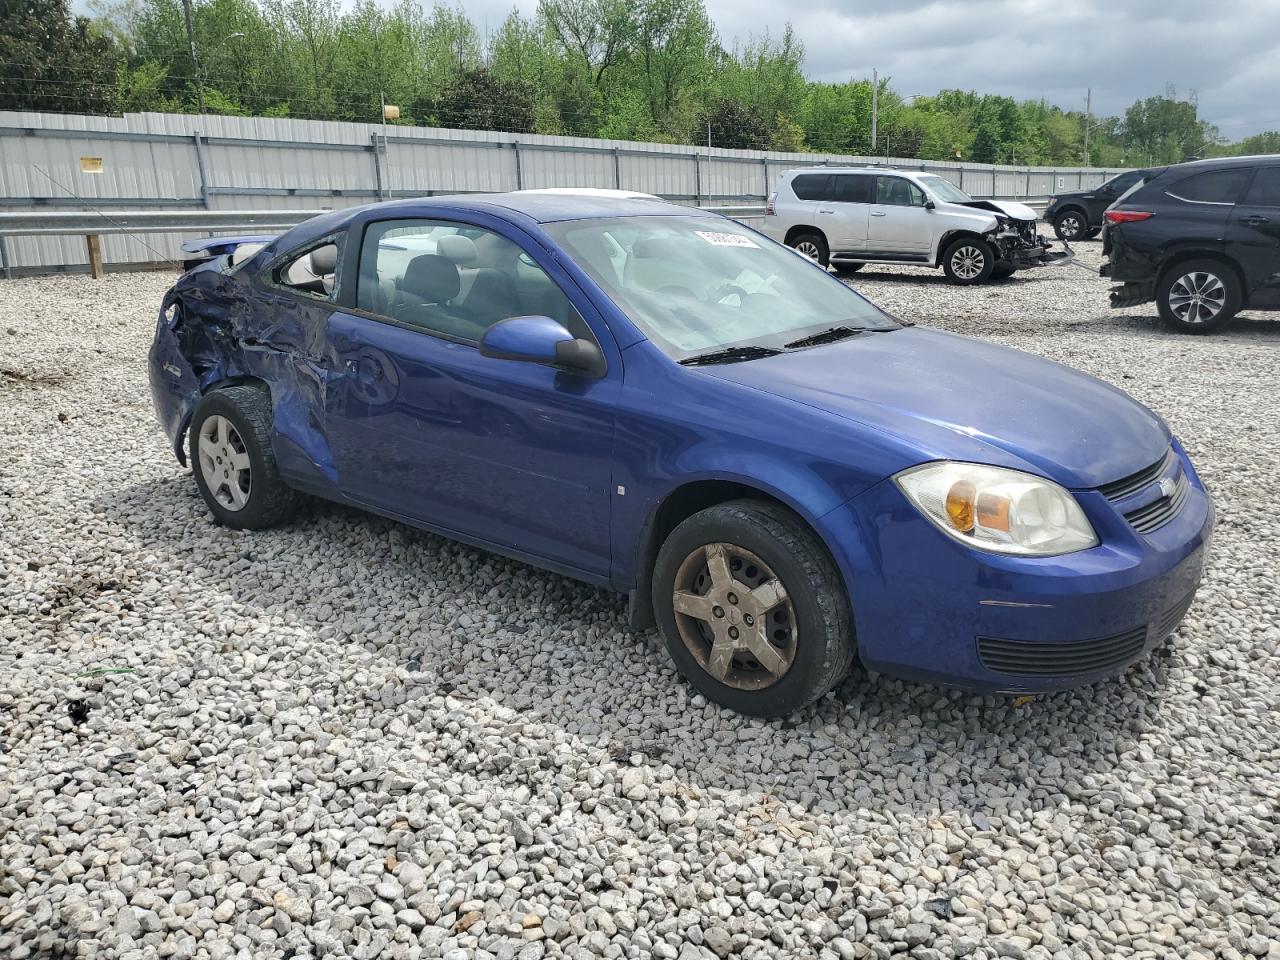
(347, 738)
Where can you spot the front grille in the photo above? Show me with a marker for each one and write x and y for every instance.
(1158, 513)
(1119, 489)
(1060, 659)
(1023, 659)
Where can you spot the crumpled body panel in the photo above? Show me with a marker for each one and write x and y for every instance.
(215, 327)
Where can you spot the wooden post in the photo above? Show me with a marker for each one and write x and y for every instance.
(94, 245)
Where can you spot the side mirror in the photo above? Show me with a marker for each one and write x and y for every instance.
(542, 340)
(929, 204)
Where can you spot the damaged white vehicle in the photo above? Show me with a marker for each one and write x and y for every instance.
(847, 216)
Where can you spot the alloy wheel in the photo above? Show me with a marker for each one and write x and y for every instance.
(1197, 297)
(809, 249)
(224, 463)
(735, 616)
(1071, 227)
(967, 262)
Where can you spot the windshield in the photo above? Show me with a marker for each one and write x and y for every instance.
(695, 284)
(945, 189)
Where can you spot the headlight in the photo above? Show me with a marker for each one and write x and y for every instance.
(992, 508)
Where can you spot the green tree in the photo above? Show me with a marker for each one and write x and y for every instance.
(733, 124)
(1166, 130)
(53, 61)
(476, 100)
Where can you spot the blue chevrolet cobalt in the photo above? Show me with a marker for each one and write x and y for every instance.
(778, 474)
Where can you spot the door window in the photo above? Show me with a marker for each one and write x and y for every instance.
(1265, 190)
(852, 188)
(898, 192)
(1216, 186)
(812, 186)
(313, 273)
(452, 279)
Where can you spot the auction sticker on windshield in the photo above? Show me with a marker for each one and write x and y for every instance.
(726, 239)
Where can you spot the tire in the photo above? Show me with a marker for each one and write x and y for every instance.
(810, 634)
(1071, 224)
(1198, 296)
(1002, 270)
(968, 260)
(848, 267)
(235, 469)
(812, 245)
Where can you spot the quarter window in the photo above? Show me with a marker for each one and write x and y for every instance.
(1265, 191)
(898, 192)
(1216, 186)
(453, 279)
(812, 186)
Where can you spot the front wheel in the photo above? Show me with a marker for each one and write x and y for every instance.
(234, 465)
(753, 609)
(1002, 270)
(969, 260)
(1198, 296)
(812, 246)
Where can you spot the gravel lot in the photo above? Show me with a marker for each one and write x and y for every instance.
(349, 738)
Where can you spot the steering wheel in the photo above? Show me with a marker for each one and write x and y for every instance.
(727, 290)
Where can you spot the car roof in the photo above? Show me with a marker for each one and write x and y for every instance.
(847, 168)
(1213, 162)
(547, 207)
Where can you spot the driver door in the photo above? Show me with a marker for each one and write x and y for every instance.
(510, 455)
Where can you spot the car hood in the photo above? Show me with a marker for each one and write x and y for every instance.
(1018, 211)
(945, 396)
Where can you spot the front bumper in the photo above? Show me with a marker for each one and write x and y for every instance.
(929, 608)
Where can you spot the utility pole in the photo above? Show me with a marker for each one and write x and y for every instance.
(1088, 115)
(875, 107)
(191, 47)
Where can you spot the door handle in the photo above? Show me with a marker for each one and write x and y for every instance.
(826, 211)
(1254, 220)
(878, 213)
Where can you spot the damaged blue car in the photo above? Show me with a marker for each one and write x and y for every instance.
(779, 475)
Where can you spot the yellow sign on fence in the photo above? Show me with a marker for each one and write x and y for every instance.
(90, 164)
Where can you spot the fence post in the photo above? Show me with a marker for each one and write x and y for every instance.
(4, 261)
(617, 170)
(377, 164)
(697, 180)
(94, 245)
(765, 163)
(202, 168)
(1027, 191)
(515, 145)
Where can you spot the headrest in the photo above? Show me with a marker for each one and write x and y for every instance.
(492, 250)
(431, 277)
(461, 250)
(324, 260)
(649, 248)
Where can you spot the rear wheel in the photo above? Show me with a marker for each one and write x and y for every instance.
(813, 246)
(968, 260)
(1198, 296)
(1070, 225)
(753, 610)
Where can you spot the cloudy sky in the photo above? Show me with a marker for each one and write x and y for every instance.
(1228, 51)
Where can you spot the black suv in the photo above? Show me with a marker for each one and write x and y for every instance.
(1078, 215)
(1201, 239)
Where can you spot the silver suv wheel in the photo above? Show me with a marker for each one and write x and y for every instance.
(1197, 297)
(967, 262)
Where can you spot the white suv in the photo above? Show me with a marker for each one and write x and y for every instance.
(848, 216)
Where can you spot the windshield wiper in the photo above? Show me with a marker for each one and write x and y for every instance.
(830, 335)
(729, 355)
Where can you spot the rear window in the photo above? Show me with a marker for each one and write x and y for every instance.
(812, 186)
(1265, 190)
(853, 188)
(1215, 186)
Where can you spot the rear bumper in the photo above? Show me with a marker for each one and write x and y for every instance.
(928, 608)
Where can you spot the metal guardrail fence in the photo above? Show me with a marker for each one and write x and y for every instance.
(92, 224)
